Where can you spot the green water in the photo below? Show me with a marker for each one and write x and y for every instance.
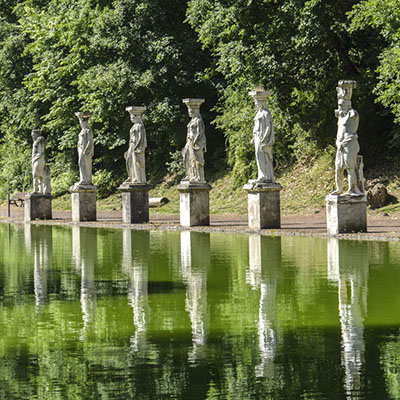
(118, 314)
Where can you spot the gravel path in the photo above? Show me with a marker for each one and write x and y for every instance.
(379, 228)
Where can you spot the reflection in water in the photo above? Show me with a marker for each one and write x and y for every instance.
(253, 274)
(28, 237)
(39, 240)
(76, 246)
(348, 266)
(255, 329)
(264, 271)
(195, 261)
(135, 266)
(84, 242)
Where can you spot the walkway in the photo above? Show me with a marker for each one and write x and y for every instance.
(379, 228)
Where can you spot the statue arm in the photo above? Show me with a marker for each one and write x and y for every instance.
(256, 128)
(139, 143)
(263, 128)
(191, 130)
(89, 147)
(352, 113)
(38, 151)
(269, 136)
(36, 157)
(199, 137)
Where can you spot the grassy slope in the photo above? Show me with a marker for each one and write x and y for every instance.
(304, 191)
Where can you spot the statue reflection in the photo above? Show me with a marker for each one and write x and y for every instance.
(264, 271)
(28, 238)
(39, 241)
(135, 266)
(195, 261)
(76, 247)
(85, 252)
(348, 268)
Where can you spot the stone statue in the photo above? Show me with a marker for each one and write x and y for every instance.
(38, 161)
(135, 156)
(263, 137)
(193, 152)
(85, 149)
(346, 142)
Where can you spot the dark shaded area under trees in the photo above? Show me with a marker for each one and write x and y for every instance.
(61, 56)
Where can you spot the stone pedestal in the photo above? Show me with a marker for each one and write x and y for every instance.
(264, 205)
(346, 214)
(135, 202)
(37, 206)
(194, 203)
(83, 202)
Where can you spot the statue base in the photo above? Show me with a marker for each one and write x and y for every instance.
(83, 199)
(37, 206)
(264, 204)
(135, 202)
(346, 214)
(194, 203)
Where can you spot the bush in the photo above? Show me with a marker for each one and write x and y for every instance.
(175, 166)
(107, 183)
(15, 165)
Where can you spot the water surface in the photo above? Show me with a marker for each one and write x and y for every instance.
(91, 313)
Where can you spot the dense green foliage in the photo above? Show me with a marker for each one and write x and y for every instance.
(61, 56)
(384, 18)
(299, 49)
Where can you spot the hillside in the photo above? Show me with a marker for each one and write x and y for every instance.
(304, 189)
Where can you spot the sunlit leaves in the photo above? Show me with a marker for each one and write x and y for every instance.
(383, 17)
(62, 56)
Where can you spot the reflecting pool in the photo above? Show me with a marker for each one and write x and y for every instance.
(91, 313)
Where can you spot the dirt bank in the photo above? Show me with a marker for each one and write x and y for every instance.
(379, 228)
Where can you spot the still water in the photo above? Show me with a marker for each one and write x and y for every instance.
(121, 314)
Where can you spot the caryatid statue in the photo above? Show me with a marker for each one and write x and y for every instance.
(346, 140)
(85, 149)
(135, 156)
(193, 152)
(263, 136)
(38, 161)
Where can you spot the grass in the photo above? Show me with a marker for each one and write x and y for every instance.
(304, 188)
(304, 191)
(224, 199)
(307, 184)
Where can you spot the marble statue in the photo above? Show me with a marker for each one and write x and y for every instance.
(193, 152)
(135, 156)
(85, 149)
(38, 161)
(346, 142)
(263, 137)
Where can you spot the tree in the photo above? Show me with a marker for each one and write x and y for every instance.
(299, 49)
(103, 56)
(382, 18)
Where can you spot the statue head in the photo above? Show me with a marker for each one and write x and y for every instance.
(193, 106)
(136, 112)
(194, 113)
(345, 89)
(260, 97)
(83, 119)
(36, 134)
